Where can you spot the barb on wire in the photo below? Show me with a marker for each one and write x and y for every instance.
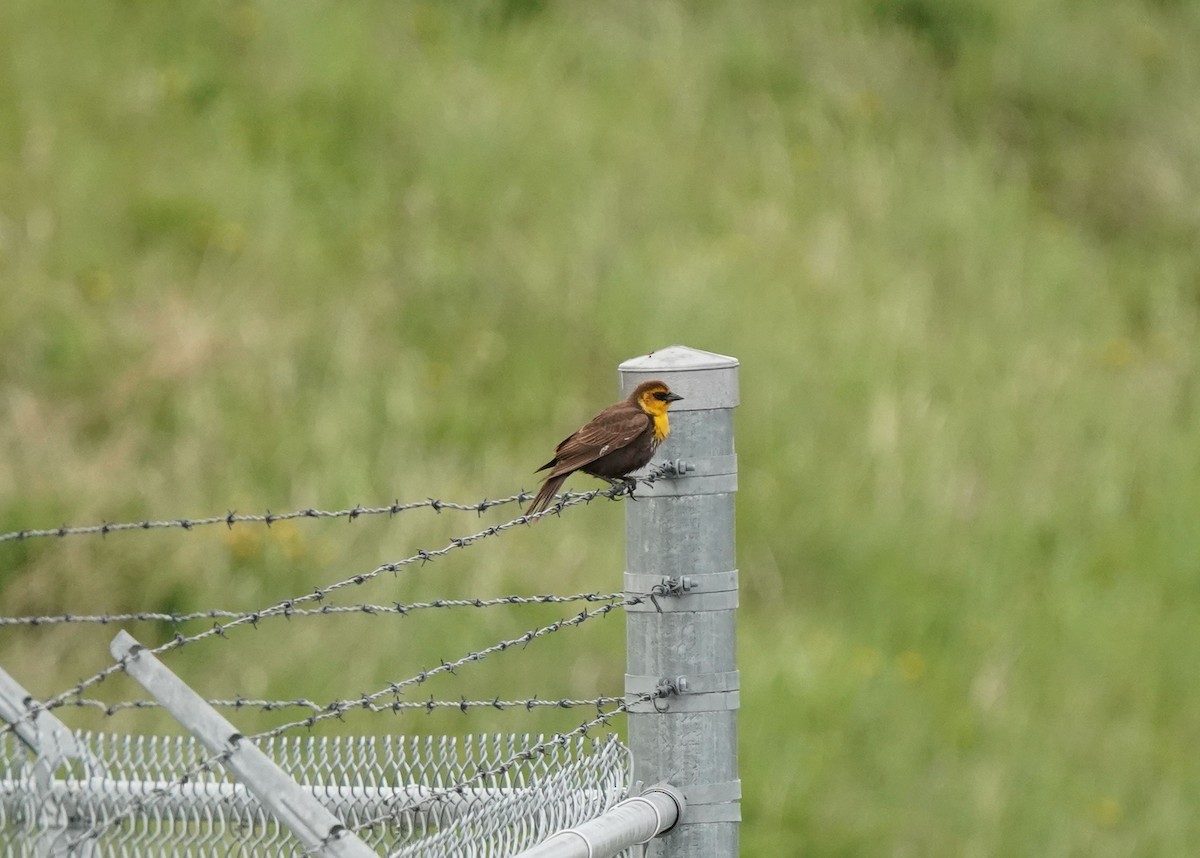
(268, 518)
(338, 708)
(403, 609)
(396, 706)
(287, 608)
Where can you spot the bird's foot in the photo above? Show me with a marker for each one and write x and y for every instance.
(622, 486)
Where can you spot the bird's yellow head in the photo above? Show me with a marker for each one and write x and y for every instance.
(655, 398)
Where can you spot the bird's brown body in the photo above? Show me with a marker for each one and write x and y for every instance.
(617, 441)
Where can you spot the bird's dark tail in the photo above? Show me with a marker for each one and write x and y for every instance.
(546, 494)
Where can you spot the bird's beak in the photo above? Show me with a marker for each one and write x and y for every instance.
(673, 397)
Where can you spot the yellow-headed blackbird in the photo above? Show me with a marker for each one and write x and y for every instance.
(618, 440)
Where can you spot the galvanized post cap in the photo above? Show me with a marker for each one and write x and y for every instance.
(704, 379)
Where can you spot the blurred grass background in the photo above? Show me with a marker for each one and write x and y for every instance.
(275, 255)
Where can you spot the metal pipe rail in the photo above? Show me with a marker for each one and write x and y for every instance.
(102, 797)
(633, 822)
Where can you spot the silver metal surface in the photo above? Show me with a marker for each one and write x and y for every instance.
(634, 821)
(705, 380)
(686, 532)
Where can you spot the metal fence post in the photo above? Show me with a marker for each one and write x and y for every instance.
(52, 829)
(680, 537)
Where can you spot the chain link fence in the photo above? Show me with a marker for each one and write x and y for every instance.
(402, 796)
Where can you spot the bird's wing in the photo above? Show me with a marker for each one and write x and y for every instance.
(609, 430)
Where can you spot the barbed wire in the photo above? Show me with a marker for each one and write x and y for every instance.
(667, 587)
(367, 702)
(400, 608)
(300, 606)
(268, 518)
(339, 708)
(428, 706)
(287, 607)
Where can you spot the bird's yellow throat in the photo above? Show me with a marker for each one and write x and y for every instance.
(662, 428)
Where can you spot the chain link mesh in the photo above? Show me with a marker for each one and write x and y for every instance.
(47, 802)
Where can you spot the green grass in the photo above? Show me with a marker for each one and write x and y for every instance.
(266, 255)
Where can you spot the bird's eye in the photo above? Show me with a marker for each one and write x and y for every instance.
(661, 396)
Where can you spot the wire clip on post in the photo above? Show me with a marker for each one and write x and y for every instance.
(717, 591)
(706, 692)
(692, 476)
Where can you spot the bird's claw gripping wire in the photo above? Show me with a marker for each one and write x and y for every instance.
(621, 486)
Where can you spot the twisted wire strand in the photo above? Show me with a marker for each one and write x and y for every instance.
(338, 708)
(268, 518)
(287, 607)
(399, 608)
(430, 705)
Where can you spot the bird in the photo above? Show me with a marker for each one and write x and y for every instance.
(617, 441)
